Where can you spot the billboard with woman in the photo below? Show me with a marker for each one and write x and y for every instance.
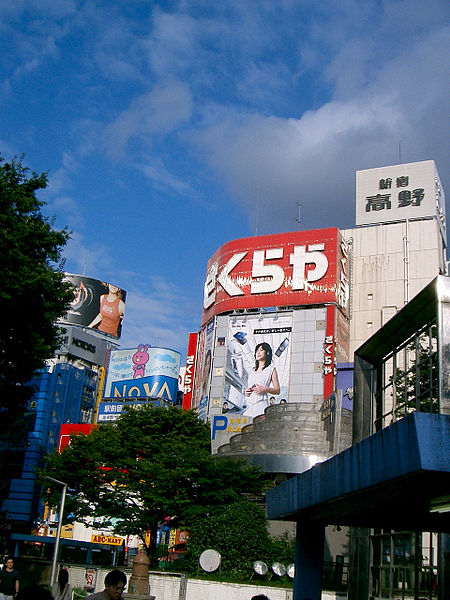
(257, 363)
(96, 304)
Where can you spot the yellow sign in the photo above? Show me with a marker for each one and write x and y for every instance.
(67, 531)
(111, 540)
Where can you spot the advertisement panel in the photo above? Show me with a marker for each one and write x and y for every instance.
(188, 380)
(83, 344)
(68, 428)
(110, 411)
(257, 364)
(203, 372)
(96, 304)
(143, 372)
(285, 269)
(399, 192)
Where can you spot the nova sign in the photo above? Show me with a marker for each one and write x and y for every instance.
(277, 270)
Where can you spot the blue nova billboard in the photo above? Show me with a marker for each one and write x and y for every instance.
(143, 372)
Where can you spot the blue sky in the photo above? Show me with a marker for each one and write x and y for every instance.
(162, 124)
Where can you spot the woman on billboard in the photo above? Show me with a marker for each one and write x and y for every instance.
(263, 381)
(112, 308)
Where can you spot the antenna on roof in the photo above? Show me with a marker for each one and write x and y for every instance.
(298, 219)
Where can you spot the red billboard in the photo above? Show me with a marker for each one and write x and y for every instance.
(285, 269)
(68, 428)
(188, 379)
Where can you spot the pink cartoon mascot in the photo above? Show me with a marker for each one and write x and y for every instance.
(140, 359)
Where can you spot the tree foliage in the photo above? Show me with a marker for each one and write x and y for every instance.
(239, 533)
(32, 293)
(153, 463)
(415, 387)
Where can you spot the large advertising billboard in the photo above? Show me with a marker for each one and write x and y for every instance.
(257, 364)
(143, 372)
(286, 269)
(96, 304)
(204, 362)
(399, 192)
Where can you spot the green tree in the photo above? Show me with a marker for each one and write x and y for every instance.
(153, 463)
(239, 533)
(415, 388)
(32, 293)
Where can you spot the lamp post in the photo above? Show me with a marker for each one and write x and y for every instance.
(58, 530)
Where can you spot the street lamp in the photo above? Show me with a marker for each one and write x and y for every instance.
(58, 530)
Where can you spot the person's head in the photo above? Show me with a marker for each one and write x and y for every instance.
(272, 400)
(260, 597)
(9, 563)
(113, 289)
(115, 582)
(63, 577)
(263, 353)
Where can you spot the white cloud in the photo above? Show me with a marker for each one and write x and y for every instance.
(277, 162)
(167, 107)
(162, 178)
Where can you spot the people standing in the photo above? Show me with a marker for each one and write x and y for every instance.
(115, 583)
(62, 590)
(9, 580)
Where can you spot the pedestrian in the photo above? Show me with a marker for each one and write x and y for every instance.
(9, 580)
(115, 583)
(62, 590)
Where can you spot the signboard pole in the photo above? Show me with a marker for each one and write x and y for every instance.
(58, 531)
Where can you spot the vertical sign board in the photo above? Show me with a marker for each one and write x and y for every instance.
(188, 381)
(204, 362)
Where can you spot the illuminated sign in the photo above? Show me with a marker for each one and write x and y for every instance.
(296, 268)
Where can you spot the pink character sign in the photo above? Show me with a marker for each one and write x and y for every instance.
(140, 359)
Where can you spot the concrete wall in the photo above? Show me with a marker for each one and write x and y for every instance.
(378, 288)
(168, 586)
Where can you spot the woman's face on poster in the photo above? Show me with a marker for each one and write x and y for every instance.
(260, 353)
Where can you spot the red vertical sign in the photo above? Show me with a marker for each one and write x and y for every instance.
(328, 353)
(188, 382)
